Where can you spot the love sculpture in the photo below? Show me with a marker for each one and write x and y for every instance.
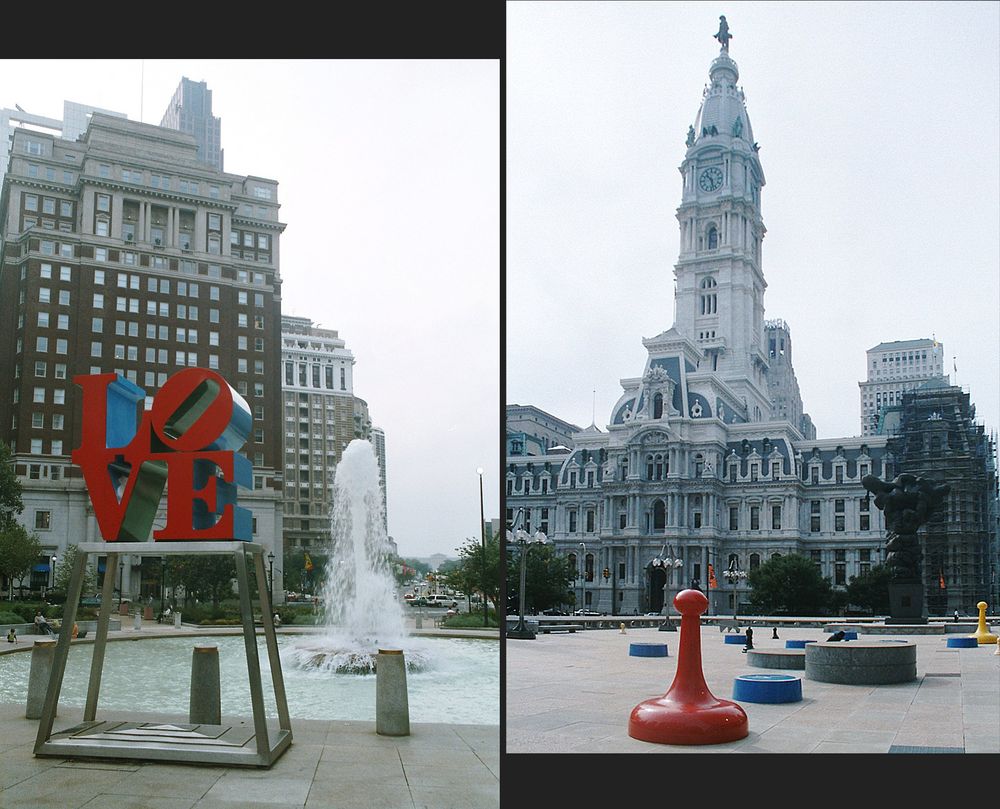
(187, 443)
(196, 424)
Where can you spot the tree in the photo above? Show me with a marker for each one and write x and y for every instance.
(19, 550)
(207, 577)
(871, 590)
(475, 575)
(790, 584)
(10, 489)
(64, 570)
(547, 579)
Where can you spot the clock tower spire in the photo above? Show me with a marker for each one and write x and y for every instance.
(719, 298)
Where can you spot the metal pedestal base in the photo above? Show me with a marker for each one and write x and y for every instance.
(166, 741)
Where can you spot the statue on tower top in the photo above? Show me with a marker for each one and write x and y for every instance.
(724, 36)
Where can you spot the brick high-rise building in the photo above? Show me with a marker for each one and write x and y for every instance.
(136, 258)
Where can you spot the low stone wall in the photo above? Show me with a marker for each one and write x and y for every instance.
(861, 662)
(777, 658)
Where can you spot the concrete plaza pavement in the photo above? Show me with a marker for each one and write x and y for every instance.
(573, 693)
(330, 764)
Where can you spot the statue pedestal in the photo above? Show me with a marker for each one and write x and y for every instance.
(906, 602)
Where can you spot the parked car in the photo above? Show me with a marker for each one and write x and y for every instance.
(440, 600)
(554, 611)
(417, 602)
(586, 612)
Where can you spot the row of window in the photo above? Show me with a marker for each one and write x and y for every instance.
(304, 375)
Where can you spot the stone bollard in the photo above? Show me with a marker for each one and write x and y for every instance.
(177, 620)
(206, 700)
(419, 624)
(42, 655)
(137, 621)
(392, 707)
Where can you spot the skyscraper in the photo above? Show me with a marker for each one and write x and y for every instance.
(190, 111)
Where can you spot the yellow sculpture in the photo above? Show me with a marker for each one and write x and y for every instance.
(983, 634)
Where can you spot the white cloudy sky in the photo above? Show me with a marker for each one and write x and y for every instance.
(389, 183)
(878, 129)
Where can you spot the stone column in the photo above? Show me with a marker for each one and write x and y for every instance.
(206, 701)
(392, 711)
(43, 653)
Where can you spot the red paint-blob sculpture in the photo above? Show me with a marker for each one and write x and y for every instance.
(688, 713)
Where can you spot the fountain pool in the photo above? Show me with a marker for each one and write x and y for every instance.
(459, 684)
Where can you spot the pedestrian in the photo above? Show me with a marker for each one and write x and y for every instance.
(956, 616)
(749, 643)
(774, 635)
(42, 626)
(12, 635)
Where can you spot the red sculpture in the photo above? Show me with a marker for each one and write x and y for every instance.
(688, 713)
(188, 438)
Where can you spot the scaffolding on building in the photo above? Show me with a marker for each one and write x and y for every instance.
(937, 437)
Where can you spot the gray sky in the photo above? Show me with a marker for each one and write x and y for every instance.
(389, 176)
(878, 129)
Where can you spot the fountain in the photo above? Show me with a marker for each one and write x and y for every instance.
(361, 608)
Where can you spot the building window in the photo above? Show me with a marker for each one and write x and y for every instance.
(734, 518)
(709, 301)
(43, 520)
(838, 518)
(590, 521)
(776, 517)
(754, 518)
(814, 506)
(572, 522)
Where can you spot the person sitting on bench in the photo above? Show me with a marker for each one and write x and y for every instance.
(42, 626)
(839, 635)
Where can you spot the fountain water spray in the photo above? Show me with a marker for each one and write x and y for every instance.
(361, 609)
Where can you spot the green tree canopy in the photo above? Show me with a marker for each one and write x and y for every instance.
(547, 579)
(207, 577)
(64, 569)
(19, 550)
(475, 576)
(871, 590)
(790, 584)
(10, 489)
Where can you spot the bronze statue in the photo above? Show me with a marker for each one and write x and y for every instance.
(724, 36)
(907, 502)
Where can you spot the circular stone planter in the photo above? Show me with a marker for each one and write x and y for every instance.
(647, 650)
(777, 658)
(770, 688)
(797, 644)
(861, 662)
(740, 639)
(963, 643)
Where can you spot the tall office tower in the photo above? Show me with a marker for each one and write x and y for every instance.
(378, 442)
(894, 368)
(321, 417)
(933, 434)
(135, 259)
(190, 111)
(73, 124)
(782, 386)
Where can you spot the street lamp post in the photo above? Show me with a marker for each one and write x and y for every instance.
(669, 563)
(733, 575)
(270, 577)
(163, 584)
(121, 578)
(523, 540)
(583, 578)
(482, 529)
(54, 558)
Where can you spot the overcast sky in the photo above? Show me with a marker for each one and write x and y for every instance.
(878, 129)
(389, 183)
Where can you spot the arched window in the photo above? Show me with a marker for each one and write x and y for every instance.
(713, 238)
(658, 468)
(659, 515)
(649, 467)
(754, 561)
(658, 406)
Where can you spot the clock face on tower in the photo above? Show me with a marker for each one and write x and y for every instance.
(710, 179)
